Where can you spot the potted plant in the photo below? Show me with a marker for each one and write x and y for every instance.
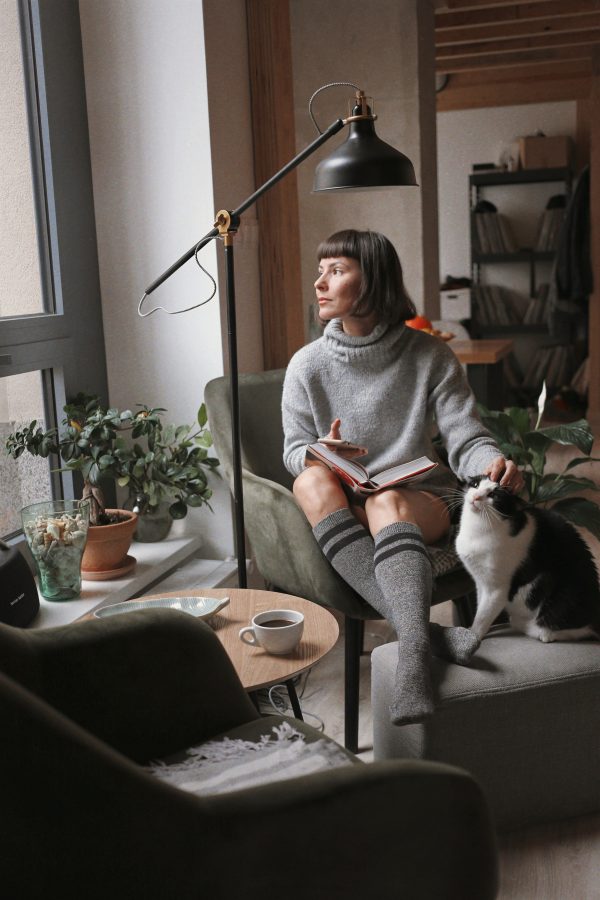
(93, 441)
(528, 446)
(166, 474)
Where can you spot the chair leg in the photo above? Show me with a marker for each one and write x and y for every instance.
(466, 607)
(354, 630)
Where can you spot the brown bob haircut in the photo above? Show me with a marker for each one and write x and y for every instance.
(382, 288)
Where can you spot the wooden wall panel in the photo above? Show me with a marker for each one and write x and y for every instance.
(271, 87)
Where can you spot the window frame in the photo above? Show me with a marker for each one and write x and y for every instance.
(66, 341)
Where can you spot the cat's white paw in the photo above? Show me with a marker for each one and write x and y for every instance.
(546, 637)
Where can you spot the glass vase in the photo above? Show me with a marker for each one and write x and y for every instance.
(154, 522)
(56, 532)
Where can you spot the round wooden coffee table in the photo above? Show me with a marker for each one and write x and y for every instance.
(256, 668)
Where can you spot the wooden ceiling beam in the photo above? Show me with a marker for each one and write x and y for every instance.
(568, 39)
(443, 6)
(512, 93)
(515, 12)
(505, 60)
(500, 31)
(544, 83)
(525, 73)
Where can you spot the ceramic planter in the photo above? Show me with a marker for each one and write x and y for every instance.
(105, 555)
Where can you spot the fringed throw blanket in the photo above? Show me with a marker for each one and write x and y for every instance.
(230, 765)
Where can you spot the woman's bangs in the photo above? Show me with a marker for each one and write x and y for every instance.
(342, 243)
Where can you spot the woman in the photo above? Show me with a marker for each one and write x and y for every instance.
(390, 388)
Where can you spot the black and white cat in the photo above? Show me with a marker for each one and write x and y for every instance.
(530, 562)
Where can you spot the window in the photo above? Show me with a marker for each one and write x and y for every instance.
(51, 338)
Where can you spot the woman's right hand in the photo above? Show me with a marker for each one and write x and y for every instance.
(351, 452)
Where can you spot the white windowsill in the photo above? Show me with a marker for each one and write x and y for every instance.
(154, 563)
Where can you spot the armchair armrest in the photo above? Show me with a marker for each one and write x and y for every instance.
(377, 828)
(148, 683)
(287, 553)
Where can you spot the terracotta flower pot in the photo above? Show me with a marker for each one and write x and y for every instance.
(105, 555)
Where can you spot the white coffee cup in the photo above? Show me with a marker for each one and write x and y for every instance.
(277, 631)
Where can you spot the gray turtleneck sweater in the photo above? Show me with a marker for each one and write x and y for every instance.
(392, 389)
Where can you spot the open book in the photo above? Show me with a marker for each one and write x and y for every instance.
(357, 477)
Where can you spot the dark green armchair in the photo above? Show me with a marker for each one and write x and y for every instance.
(286, 553)
(83, 707)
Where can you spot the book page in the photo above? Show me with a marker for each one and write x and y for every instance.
(355, 470)
(410, 469)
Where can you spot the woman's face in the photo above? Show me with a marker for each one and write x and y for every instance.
(338, 287)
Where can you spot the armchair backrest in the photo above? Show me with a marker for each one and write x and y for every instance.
(260, 423)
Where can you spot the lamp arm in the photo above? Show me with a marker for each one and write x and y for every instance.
(292, 164)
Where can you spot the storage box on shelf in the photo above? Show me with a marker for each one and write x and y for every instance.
(542, 152)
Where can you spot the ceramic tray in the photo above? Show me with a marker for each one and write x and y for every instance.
(199, 607)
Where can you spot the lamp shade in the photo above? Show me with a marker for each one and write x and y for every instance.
(363, 161)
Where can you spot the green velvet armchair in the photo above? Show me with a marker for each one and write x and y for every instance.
(286, 553)
(83, 707)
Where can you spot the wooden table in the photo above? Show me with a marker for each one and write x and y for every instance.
(256, 668)
(483, 360)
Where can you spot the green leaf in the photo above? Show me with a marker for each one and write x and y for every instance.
(195, 500)
(178, 510)
(205, 439)
(579, 461)
(202, 416)
(105, 461)
(580, 512)
(577, 433)
(562, 487)
(516, 453)
(123, 481)
(93, 475)
(520, 419)
(500, 425)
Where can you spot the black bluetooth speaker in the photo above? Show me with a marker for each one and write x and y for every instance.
(19, 601)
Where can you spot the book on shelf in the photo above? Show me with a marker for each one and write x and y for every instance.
(493, 233)
(481, 234)
(508, 239)
(550, 224)
(549, 364)
(536, 311)
(357, 477)
(497, 305)
(549, 230)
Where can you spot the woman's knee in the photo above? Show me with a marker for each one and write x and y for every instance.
(318, 492)
(393, 504)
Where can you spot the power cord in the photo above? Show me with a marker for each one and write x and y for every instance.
(277, 697)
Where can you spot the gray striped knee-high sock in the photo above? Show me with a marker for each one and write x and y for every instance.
(403, 572)
(349, 548)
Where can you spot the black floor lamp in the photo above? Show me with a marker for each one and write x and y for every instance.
(363, 161)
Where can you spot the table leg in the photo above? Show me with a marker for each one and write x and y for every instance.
(294, 700)
(487, 383)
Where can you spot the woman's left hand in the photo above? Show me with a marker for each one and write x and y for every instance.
(505, 471)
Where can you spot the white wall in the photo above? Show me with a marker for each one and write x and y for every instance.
(478, 136)
(153, 190)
